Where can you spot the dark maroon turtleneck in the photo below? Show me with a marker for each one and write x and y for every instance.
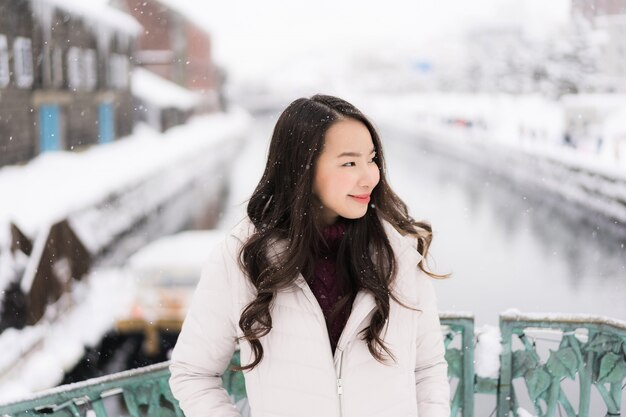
(326, 285)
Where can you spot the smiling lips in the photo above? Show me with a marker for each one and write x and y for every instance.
(364, 198)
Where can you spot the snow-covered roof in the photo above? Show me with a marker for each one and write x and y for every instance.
(186, 251)
(97, 11)
(161, 92)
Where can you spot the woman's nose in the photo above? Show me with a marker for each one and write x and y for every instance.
(369, 177)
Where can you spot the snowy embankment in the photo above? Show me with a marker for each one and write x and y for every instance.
(102, 191)
(516, 136)
(60, 185)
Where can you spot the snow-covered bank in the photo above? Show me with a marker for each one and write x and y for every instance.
(518, 137)
(528, 123)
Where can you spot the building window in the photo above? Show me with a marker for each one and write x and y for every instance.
(118, 72)
(23, 61)
(4, 62)
(56, 63)
(74, 68)
(91, 74)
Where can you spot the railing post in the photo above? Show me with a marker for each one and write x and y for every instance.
(98, 408)
(468, 368)
(505, 381)
(584, 377)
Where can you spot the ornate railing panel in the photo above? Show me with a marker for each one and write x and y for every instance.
(591, 349)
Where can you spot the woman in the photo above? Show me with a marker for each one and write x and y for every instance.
(322, 285)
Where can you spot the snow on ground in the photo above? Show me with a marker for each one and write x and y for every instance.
(56, 184)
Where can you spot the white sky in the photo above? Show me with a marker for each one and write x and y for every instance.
(253, 37)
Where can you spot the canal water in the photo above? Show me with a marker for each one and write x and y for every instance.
(506, 245)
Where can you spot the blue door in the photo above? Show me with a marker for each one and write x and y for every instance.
(49, 128)
(106, 121)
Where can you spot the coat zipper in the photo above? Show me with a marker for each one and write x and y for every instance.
(340, 384)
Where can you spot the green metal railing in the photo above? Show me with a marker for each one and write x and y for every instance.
(591, 350)
(143, 391)
(138, 392)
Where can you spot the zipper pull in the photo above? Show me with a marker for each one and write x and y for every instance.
(339, 386)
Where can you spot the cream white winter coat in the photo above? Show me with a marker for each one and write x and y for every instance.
(299, 376)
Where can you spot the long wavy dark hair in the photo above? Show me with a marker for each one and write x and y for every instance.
(283, 207)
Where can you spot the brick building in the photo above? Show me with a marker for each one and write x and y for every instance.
(64, 76)
(175, 48)
(17, 133)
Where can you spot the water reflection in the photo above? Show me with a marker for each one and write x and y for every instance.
(508, 244)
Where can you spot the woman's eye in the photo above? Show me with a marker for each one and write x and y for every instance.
(350, 164)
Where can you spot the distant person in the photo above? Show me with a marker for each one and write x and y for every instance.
(567, 140)
(322, 285)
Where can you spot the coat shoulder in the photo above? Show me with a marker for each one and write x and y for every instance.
(402, 244)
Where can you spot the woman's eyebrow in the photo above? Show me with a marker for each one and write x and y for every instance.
(353, 154)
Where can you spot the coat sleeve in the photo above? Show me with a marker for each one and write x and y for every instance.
(206, 343)
(431, 369)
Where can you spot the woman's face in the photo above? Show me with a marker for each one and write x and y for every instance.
(345, 172)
